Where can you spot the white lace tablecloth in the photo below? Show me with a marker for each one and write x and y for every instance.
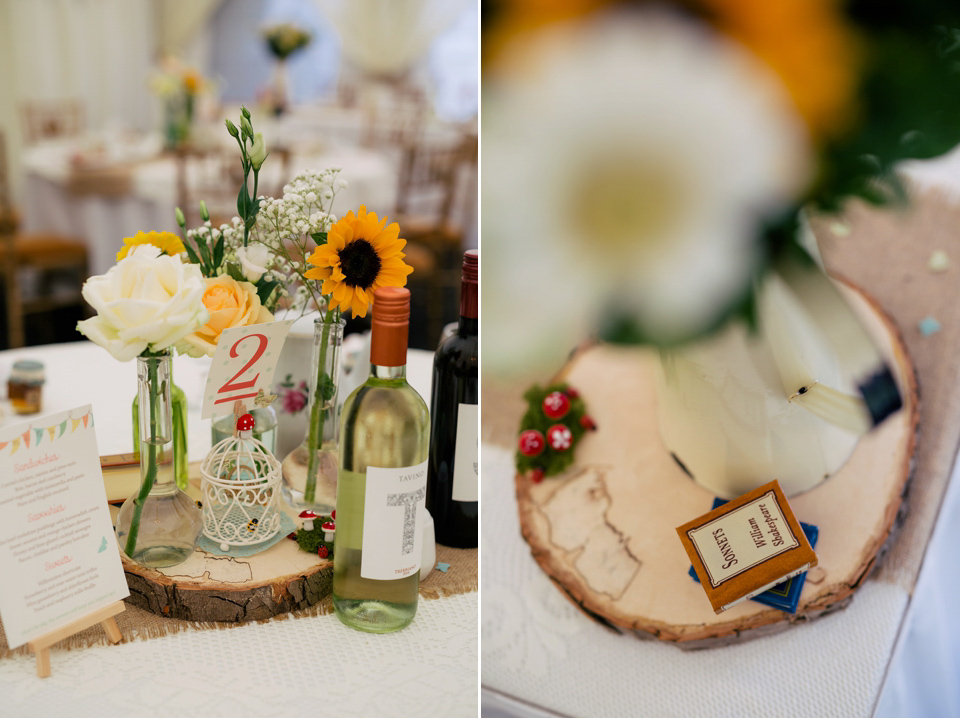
(542, 656)
(103, 222)
(299, 667)
(310, 666)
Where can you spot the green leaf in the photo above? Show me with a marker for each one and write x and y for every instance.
(265, 289)
(218, 252)
(327, 388)
(205, 254)
(192, 254)
(234, 271)
(243, 202)
(319, 237)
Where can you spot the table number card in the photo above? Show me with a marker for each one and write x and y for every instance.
(58, 556)
(244, 363)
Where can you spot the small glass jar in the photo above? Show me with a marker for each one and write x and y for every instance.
(25, 386)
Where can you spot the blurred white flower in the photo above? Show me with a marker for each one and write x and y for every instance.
(254, 260)
(627, 167)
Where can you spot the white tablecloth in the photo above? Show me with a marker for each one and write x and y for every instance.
(542, 656)
(314, 666)
(81, 373)
(103, 222)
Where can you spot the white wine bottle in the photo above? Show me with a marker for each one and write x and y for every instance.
(381, 491)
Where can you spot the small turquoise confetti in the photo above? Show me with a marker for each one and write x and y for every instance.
(929, 326)
(443, 567)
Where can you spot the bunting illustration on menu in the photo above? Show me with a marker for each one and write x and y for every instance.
(34, 435)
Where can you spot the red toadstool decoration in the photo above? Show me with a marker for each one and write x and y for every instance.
(308, 516)
(329, 527)
(559, 437)
(245, 423)
(531, 442)
(556, 405)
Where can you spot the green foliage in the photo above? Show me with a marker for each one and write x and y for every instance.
(552, 462)
(311, 541)
(265, 289)
(909, 101)
(327, 387)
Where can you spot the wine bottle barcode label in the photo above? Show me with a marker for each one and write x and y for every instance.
(466, 484)
(393, 508)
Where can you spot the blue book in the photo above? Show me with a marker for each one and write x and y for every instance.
(784, 596)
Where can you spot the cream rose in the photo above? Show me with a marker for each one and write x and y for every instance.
(147, 300)
(254, 259)
(231, 304)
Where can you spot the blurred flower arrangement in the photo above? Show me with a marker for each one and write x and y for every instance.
(283, 40)
(668, 148)
(178, 86)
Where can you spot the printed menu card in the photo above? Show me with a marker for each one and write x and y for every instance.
(59, 560)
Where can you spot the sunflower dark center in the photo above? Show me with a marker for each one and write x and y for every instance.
(359, 263)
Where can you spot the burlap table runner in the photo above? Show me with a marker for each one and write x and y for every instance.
(886, 252)
(136, 623)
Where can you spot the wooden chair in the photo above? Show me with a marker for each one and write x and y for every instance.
(49, 256)
(47, 119)
(434, 179)
(394, 120)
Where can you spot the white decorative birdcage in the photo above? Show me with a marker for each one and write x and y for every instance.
(241, 488)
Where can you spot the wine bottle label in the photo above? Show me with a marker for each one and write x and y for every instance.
(466, 484)
(393, 509)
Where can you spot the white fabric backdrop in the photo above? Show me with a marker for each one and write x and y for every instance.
(385, 37)
(99, 51)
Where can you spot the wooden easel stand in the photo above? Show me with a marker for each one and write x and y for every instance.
(104, 616)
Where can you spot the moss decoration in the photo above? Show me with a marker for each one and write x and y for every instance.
(551, 461)
(311, 541)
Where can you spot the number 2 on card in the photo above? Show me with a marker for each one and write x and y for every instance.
(232, 384)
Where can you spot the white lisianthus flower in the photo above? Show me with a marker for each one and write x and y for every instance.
(258, 151)
(254, 260)
(149, 300)
(635, 160)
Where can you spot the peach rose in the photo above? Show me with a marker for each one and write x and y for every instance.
(231, 304)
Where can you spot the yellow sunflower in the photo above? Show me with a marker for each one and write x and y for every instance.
(362, 253)
(168, 242)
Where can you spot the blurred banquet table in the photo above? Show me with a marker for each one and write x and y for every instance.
(139, 193)
(894, 651)
(260, 668)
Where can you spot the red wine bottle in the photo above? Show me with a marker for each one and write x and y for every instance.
(453, 478)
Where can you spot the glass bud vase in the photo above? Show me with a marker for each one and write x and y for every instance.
(159, 525)
(181, 462)
(310, 471)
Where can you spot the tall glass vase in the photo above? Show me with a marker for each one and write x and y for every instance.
(159, 525)
(310, 471)
(280, 92)
(181, 461)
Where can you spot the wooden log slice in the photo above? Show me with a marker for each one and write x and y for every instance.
(605, 533)
(222, 588)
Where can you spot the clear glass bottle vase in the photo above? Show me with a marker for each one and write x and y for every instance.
(310, 471)
(159, 525)
(181, 462)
